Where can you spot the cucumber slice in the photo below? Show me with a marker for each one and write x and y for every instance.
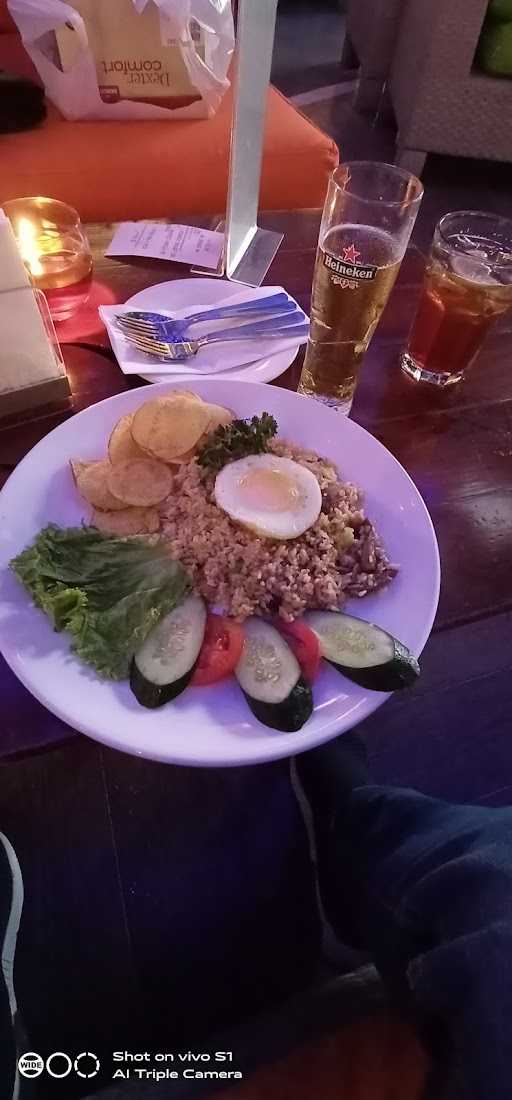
(288, 716)
(165, 661)
(363, 652)
(155, 695)
(270, 678)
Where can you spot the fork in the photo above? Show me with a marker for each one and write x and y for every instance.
(167, 350)
(143, 323)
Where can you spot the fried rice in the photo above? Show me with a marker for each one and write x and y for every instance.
(339, 557)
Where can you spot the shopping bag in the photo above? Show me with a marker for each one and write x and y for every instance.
(129, 59)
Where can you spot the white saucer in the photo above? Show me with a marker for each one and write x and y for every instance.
(185, 294)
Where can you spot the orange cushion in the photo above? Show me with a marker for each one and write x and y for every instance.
(124, 170)
(14, 57)
(6, 22)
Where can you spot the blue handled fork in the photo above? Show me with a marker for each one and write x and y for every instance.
(167, 350)
(158, 326)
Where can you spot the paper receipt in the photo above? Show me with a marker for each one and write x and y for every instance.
(185, 244)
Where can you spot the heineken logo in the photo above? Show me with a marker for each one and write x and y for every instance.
(348, 268)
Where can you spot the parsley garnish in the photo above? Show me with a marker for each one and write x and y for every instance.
(236, 440)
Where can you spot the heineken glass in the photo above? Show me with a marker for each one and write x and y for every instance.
(367, 221)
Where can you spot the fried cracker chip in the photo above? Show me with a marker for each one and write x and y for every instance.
(77, 468)
(180, 459)
(128, 521)
(140, 481)
(183, 393)
(218, 415)
(169, 426)
(92, 484)
(121, 444)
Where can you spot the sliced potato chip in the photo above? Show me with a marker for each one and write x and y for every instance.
(77, 468)
(179, 459)
(121, 444)
(92, 484)
(169, 427)
(140, 481)
(152, 520)
(218, 415)
(128, 521)
(183, 393)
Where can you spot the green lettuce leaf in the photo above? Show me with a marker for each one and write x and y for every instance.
(106, 592)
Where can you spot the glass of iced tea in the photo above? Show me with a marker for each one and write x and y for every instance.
(468, 285)
(367, 221)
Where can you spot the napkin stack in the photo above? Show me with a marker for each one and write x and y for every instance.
(209, 360)
(31, 372)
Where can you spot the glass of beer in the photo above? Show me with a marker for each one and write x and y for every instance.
(367, 221)
(468, 285)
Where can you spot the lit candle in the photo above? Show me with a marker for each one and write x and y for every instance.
(26, 236)
(13, 273)
(55, 250)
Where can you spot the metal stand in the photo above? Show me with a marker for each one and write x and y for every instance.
(249, 250)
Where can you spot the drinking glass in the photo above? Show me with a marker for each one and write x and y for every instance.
(55, 250)
(369, 213)
(468, 285)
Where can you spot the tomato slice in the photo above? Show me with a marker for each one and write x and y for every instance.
(304, 644)
(221, 650)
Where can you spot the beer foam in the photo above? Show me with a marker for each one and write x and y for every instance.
(374, 246)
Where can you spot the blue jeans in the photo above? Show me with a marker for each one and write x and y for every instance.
(429, 886)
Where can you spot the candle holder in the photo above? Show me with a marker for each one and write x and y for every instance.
(33, 378)
(37, 384)
(55, 250)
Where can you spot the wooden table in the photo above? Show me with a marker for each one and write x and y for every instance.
(168, 884)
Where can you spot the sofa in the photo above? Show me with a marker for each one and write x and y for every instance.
(495, 47)
(126, 170)
(441, 101)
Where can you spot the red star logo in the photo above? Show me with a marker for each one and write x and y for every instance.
(350, 254)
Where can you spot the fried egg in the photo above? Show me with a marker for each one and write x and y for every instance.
(274, 497)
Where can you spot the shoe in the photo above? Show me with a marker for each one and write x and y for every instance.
(11, 904)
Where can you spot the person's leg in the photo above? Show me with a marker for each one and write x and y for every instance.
(11, 902)
(426, 887)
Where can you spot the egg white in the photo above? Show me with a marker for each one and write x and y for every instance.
(288, 523)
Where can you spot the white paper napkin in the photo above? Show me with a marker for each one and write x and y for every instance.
(211, 359)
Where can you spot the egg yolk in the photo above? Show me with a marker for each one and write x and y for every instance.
(269, 491)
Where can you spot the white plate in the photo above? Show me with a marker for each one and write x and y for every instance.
(185, 294)
(210, 726)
